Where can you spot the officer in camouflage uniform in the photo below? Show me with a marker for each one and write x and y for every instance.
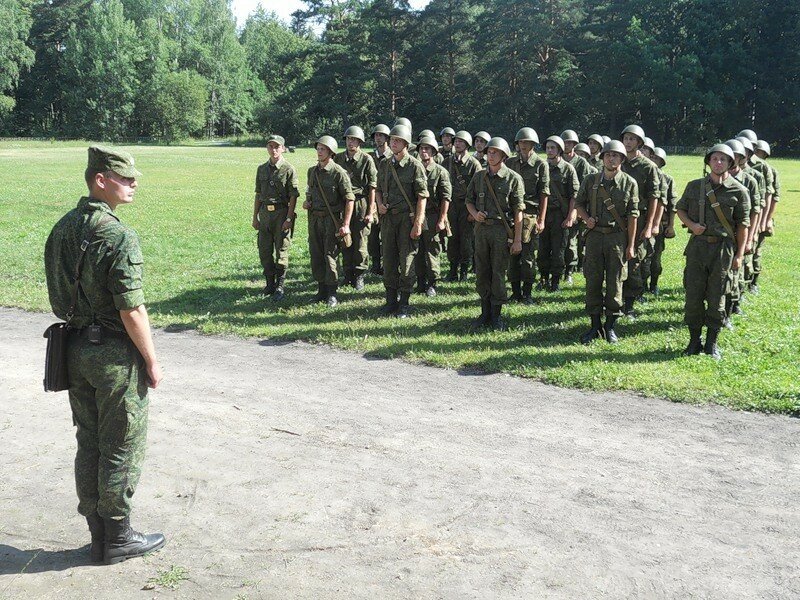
(481, 139)
(402, 196)
(595, 143)
(111, 359)
(496, 201)
(447, 135)
(666, 228)
(535, 175)
(574, 250)
(716, 211)
(363, 180)
(560, 215)
(608, 202)
(274, 214)
(461, 167)
(380, 137)
(645, 172)
(440, 192)
(329, 202)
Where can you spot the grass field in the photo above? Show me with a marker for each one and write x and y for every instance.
(193, 212)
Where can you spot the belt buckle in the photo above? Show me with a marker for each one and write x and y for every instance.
(270, 207)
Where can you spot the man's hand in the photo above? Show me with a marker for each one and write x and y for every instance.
(567, 223)
(591, 223)
(737, 263)
(307, 204)
(287, 224)
(698, 229)
(630, 253)
(646, 234)
(656, 229)
(255, 222)
(382, 208)
(516, 247)
(154, 375)
(343, 230)
(480, 216)
(539, 226)
(368, 219)
(441, 225)
(416, 230)
(669, 232)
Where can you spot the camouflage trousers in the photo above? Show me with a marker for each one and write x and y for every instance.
(553, 244)
(273, 241)
(706, 279)
(522, 267)
(491, 261)
(656, 264)
(355, 259)
(604, 263)
(374, 243)
(574, 249)
(108, 396)
(758, 247)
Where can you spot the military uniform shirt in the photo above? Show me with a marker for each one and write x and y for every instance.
(111, 275)
(412, 177)
(762, 167)
(336, 184)
(751, 185)
(582, 167)
(762, 185)
(623, 191)
(361, 170)
(378, 158)
(461, 173)
(276, 184)
(645, 172)
(535, 175)
(563, 185)
(508, 187)
(669, 196)
(439, 187)
(596, 162)
(733, 200)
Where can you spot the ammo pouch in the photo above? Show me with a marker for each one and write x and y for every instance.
(56, 378)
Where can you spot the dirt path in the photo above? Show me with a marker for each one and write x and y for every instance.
(273, 476)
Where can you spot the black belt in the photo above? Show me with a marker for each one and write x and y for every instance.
(324, 213)
(107, 333)
(400, 211)
(711, 239)
(608, 229)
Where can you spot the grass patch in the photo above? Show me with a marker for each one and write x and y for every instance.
(193, 213)
(170, 578)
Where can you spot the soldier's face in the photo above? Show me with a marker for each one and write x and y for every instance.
(569, 147)
(761, 154)
(647, 152)
(425, 152)
(631, 142)
(116, 188)
(397, 145)
(525, 146)
(719, 163)
(323, 153)
(460, 145)
(353, 143)
(480, 144)
(581, 153)
(275, 150)
(552, 150)
(447, 140)
(612, 160)
(594, 147)
(494, 157)
(381, 139)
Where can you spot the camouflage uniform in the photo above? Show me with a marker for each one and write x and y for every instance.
(108, 388)
(427, 260)
(553, 240)
(275, 186)
(363, 178)
(738, 279)
(460, 244)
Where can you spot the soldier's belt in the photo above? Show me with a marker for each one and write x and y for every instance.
(323, 213)
(273, 206)
(610, 229)
(400, 211)
(711, 239)
(106, 332)
(532, 211)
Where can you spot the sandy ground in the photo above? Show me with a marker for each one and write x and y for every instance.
(296, 471)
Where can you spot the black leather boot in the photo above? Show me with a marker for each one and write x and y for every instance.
(711, 347)
(595, 332)
(496, 322)
(628, 309)
(322, 293)
(463, 272)
(280, 282)
(695, 346)
(123, 543)
(377, 269)
(485, 318)
(97, 529)
(403, 307)
(654, 285)
(331, 299)
(516, 292)
(526, 293)
(554, 284)
(544, 282)
(269, 289)
(608, 329)
(568, 276)
(452, 275)
(391, 302)
(421, 285)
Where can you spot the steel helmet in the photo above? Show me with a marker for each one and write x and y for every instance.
(428, 140)
(597, 138)
(581, 147)
(425, 133)
(569, 135)
(736, 146)
(356, 132)
(482, 135)
(635, 130)
(749, 134)
(384, 129)
(402, 132)
(763, 146)
(500, 144)
(403, 121)
(447, 131)
(557, 141)
(648, 143)
(606, 139)
(615, 146)
(724, 149)
(661, 153)
(527, 134)
(745, 141)
(329, 143)
(465, 136)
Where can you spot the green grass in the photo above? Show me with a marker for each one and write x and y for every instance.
(170, 578)
(193, 213)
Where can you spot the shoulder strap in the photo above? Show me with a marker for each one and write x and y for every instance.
(402, 190)
(720, 215)
(325, 200)
(594, 208)
(76, 276)
(500, 211)
(609, 204)
(702, 220)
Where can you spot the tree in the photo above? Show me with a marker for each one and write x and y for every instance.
(15, 55)
(178, 105)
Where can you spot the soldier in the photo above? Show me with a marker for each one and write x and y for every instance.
(461, 167)
(608, 203)
(560, 215)
(584, 152)
(645, 172)
(666, 229)
(536, 179)
(481, 139)
(715, 209)
(606, 139)
(402, 195)
(93, 265)
(363, 181)
(440, 191)
(274, 214)
(595, 143)
(762, 152)
(426, 133)
(329, 201)
(495, 197)
(447, 136)
(574, 250)
(380, 137)
(768, 202)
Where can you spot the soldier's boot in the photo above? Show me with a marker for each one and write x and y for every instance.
(711, 347)
(430, 292)
(736, 308)
(269, 289)
(608, 329)
(595, 332)
(554, 284)
(754, 284)
(403, 308)
(463, 272)
(543, 283)
(695, 346)
(123, 542)
(421, 285)
(349, 277)
(452, 275)
(97, 529)
(516, 292)
(377, 269)
(628, 309)
(726, 322)
(654, 285)
(358, 283)
(527, 287)
(645, 286)
(568, 276)
(322, 293)
(280, 284)
(484, 319)
(495, 321)
(331, 300)
(391, 302)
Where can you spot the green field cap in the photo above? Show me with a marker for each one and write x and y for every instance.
(106, 158)
(277, 139)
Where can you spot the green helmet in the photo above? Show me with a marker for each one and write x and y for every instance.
(556, 139)
(403, 121)
(447, 131)
(381, 128)
(749, 134)
(615, 146)
(356, 132)
(582, 148)
(402, 132)
(425, 133)
(499, 144)
(662, 154)
(745, 141)
(763, 146)
(428, 140)
(329, 143)
(635, 130)
(527, 134)
(569, 135)
(606, 139)
(466, 136)
(597, 138)
(736, 146)
(722, 148)
(648, 143)
(482, 135)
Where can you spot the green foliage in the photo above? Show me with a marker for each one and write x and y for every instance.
(15, 56)
(178, 104)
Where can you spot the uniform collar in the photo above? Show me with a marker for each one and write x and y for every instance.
(329, 167)
(501, 172)
(89, 204)
(728, 182)
(355, 156)
(278, 164)
(617, 179)
(403, 161)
